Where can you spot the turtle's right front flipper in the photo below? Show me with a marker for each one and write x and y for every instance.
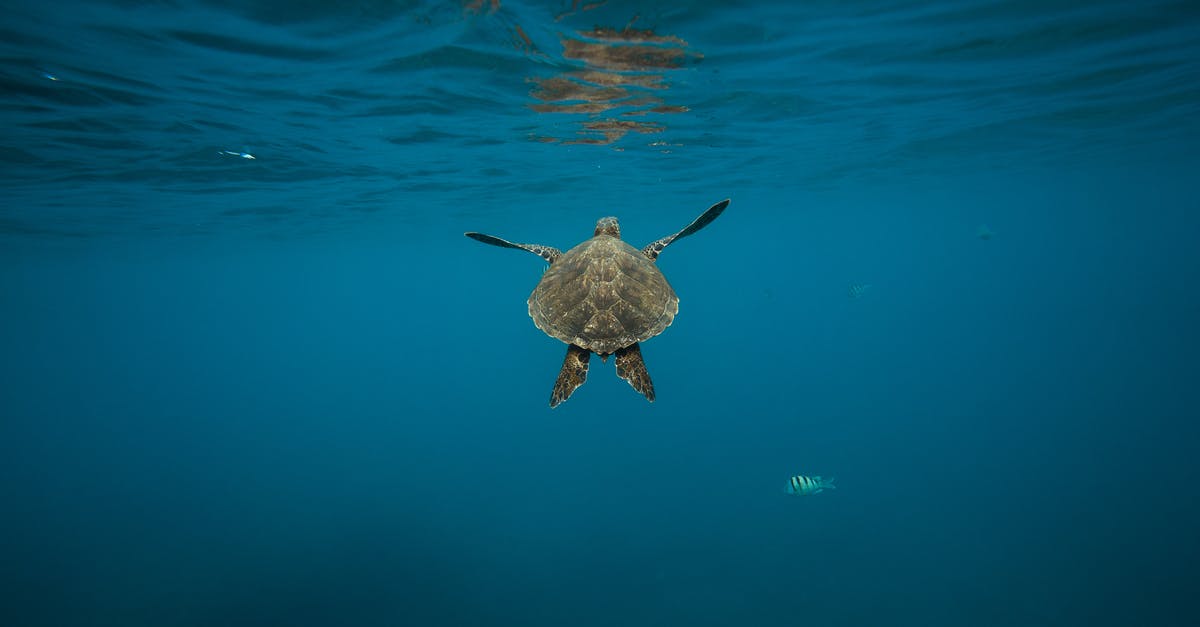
(545, 252)
(573, 374)
(653, 249)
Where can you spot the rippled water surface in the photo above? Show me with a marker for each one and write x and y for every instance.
(251, 372)
(127, 117)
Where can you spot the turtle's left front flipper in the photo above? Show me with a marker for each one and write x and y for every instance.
(652, 250)
(632, 368)
(545, 252)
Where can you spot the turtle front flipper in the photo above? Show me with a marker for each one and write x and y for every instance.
(632, 368)
(545, 252)
(652, 250)
(573, 374)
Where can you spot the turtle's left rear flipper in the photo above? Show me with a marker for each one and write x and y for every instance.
(573, 374)
(631, 368)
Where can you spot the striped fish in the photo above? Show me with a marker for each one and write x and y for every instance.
(803, 486)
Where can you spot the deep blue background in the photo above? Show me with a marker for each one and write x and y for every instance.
(287, 391)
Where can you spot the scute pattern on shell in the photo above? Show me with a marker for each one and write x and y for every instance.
(603, 295)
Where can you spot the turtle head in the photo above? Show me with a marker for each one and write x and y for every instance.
(608, 226)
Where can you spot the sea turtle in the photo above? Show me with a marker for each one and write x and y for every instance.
(603, 296)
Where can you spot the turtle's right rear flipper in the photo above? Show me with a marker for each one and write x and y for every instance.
(573, 374)
(545, 252)
(632, 368)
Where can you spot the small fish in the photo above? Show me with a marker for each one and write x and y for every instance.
(858, 289)
(801, 485)
(984, 232)
(244, 155)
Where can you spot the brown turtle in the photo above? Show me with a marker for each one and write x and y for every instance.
(603, 296)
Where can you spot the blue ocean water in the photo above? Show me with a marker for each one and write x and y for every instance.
(253, 374)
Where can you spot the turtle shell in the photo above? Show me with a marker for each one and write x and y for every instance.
(603, 295)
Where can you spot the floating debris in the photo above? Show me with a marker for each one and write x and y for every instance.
(801, 485)
(858, 289)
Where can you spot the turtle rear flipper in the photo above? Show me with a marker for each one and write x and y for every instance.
(652, 250)
(632, 368)
(545, 252)
(573, 374)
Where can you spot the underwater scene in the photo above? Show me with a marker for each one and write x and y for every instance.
(599, 313)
